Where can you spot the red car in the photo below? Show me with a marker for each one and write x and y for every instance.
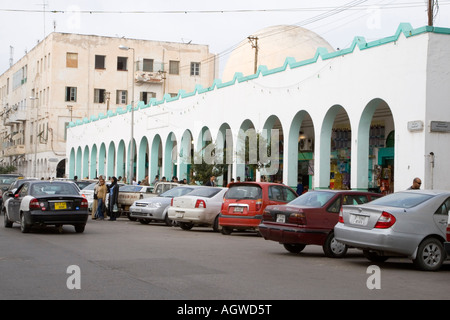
(244, 204)
(310, 219)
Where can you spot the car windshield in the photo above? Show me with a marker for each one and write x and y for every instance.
(207, 192)
(53, 188)
(252, 192)
(402, 199)
(7, 179)
(130, 188)
(313, 199)
(176, 192)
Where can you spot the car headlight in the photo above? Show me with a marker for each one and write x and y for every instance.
(154, 205)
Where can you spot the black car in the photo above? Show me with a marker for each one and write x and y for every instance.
(5, 181)
(46, 203)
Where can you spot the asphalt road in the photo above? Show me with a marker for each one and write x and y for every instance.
(127, 260)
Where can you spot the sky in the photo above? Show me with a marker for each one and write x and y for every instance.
(219, 24)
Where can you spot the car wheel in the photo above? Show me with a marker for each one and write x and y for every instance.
(374, 256)
(333, 248)
(226, 231)
(24, 227)
(216, 226)
(167, 221)
(80, 228)
(7, 222)
(294, 248)
(430, 255)
(186, 225)
(144, 221)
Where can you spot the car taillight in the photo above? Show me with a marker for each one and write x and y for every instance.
(448, 231)
(297, 218)
(84, 203)
(267, 216)
(341, 215)
(34, 204)
(171, 202)
(200, 204)
(258, 204)
(385, 221)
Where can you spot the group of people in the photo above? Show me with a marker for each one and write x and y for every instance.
(100, 211)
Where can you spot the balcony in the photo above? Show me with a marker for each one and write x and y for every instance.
(14, 115)
(149, 77)
(14, 150)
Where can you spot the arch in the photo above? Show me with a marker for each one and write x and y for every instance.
(127, 162)
(335, 114)
(298, 153)
(93, 166)
(143, 159)
(224, 152)
(370, 141)
(111, 167)
(170, 156)
(156, 157)
(85, 162)
(121, 160)
(78, 163)
(185, 156)
(102, 160)
(246, 151)
(61, 167)
(272, 157)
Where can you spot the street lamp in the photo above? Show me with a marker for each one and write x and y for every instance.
(130, 173)
(35, 135)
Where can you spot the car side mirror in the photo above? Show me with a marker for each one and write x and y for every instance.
(16, 195)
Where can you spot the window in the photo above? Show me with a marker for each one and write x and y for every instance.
(99, 95)
(100, 62)
(121, 97)
(146, 96)
(174, 67)
(195, 68)
(147, 65)
(71, 60)
(71, 94)
(122, 63)
(335, 206)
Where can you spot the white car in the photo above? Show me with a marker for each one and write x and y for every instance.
(200, 207)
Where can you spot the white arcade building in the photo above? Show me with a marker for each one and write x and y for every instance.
(374, 115)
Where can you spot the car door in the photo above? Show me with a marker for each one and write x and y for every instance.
(14, 202)
(440, 217)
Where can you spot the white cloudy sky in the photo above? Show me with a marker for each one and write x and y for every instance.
(220, 24)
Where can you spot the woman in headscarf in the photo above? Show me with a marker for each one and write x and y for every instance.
(113, 191)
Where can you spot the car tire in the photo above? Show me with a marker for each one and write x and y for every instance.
(294, 247)
(7, 222)
(144, 221)
(430, 255)
(167, 221)
(24, 227)
(333, 248)
(80, 228)
(186, 225)
(374, 256)
(216, 226)
(226, 231)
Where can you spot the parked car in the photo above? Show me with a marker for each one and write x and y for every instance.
(447, 242)
(13, 187)
(407, 223)
(5, 181)
(155, 208)
(244, 204)
(200, 207)
(128, 194)
(46, 203)
(310, 220)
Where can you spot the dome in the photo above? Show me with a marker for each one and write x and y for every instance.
(275, 44)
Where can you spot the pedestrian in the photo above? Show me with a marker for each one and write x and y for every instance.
(211, 182)
(416, 184)
(156, 180)
(144, 182)
(113, 203)
(94, 203)
(101, 197)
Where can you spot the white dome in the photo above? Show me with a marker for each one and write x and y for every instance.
(275, 44)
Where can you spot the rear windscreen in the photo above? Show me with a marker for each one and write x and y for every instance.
(207, 192)
(244, 192)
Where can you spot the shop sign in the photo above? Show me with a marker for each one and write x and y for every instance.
(440, 126)
(415, 125)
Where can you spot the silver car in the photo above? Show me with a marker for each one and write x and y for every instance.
(155, 208)
(408, 223)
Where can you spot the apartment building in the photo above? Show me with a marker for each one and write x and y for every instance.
(67, 77)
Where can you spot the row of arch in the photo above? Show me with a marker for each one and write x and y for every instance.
(170, 155)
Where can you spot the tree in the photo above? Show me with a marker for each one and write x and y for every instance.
(204, 164)
(7, 169)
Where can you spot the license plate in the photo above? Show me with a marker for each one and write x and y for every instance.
(60, 205)
(137, 210)
(281, 218)
(179, 214)
(359, 220)
(238, 209)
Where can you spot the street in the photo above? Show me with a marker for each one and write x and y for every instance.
(126, 260)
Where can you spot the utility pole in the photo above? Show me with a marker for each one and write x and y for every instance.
(254, 43)
(430, 12)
